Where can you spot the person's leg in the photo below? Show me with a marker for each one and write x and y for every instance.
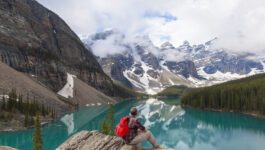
(152, 139)
(138, 140)
(143, 136)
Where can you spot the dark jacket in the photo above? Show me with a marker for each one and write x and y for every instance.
(134, 124)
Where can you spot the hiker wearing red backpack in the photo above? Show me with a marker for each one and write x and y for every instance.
(133, 132)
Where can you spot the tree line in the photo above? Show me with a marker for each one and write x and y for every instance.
(244, 95)
(15, 103)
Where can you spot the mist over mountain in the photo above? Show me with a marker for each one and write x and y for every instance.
(138, 63)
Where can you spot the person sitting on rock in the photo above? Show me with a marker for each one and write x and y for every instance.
(138, 133)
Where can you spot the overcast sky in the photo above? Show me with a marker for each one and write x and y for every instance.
(239, 24)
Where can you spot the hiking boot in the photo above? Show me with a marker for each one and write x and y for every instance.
(158, 147)
(139, 148)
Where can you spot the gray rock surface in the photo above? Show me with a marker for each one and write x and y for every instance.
(87, 95)
(94, 140)
(7, 148)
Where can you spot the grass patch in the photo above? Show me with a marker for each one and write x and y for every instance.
(173, 91)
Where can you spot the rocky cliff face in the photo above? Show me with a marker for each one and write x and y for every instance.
(115, 65)
(94, 140)
(185, 68)
(36, 41)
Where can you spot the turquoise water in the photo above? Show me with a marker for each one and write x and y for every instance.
(173, 126)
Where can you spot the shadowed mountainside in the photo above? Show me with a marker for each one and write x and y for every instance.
(36, 41)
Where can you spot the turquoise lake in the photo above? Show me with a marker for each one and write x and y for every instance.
(174, 127)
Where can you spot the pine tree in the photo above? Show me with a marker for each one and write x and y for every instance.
(1, 115)
(9, 116)
(31, 121)
(10, 101)
(53, 115)
(20, 103)
(26, 121)
(38, 143)
(26, 107)
(105, 127)
(244, 95)
(111, 119)
(201, 102)
(4, 103)
(43, 110)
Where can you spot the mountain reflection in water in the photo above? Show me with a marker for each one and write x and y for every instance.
(173, 126)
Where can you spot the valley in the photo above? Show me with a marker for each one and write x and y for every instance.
(191, 96)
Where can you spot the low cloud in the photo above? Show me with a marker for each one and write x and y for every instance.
(238, 24)
(109, 46)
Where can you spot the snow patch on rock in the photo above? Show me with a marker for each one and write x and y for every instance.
(68, 90)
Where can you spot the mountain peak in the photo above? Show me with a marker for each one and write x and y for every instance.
(167, 45)
(186, 43)
(211, 41)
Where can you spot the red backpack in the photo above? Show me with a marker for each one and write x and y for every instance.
(122, 128)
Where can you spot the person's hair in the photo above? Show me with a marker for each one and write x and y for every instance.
(133, 111)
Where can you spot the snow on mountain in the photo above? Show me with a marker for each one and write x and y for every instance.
(147, 68)
(67, 91)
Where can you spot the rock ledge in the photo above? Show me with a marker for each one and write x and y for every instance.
(7, 148)
(94, 140)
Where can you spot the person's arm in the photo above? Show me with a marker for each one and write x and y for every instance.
(140, 126)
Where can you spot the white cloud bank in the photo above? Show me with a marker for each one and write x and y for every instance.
(238, 24)
(108, 46)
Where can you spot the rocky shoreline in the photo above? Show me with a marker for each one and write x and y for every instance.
(12, 126)
(220, 110)
(9, 127)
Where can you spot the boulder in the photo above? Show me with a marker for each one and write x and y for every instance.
(94, 140)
